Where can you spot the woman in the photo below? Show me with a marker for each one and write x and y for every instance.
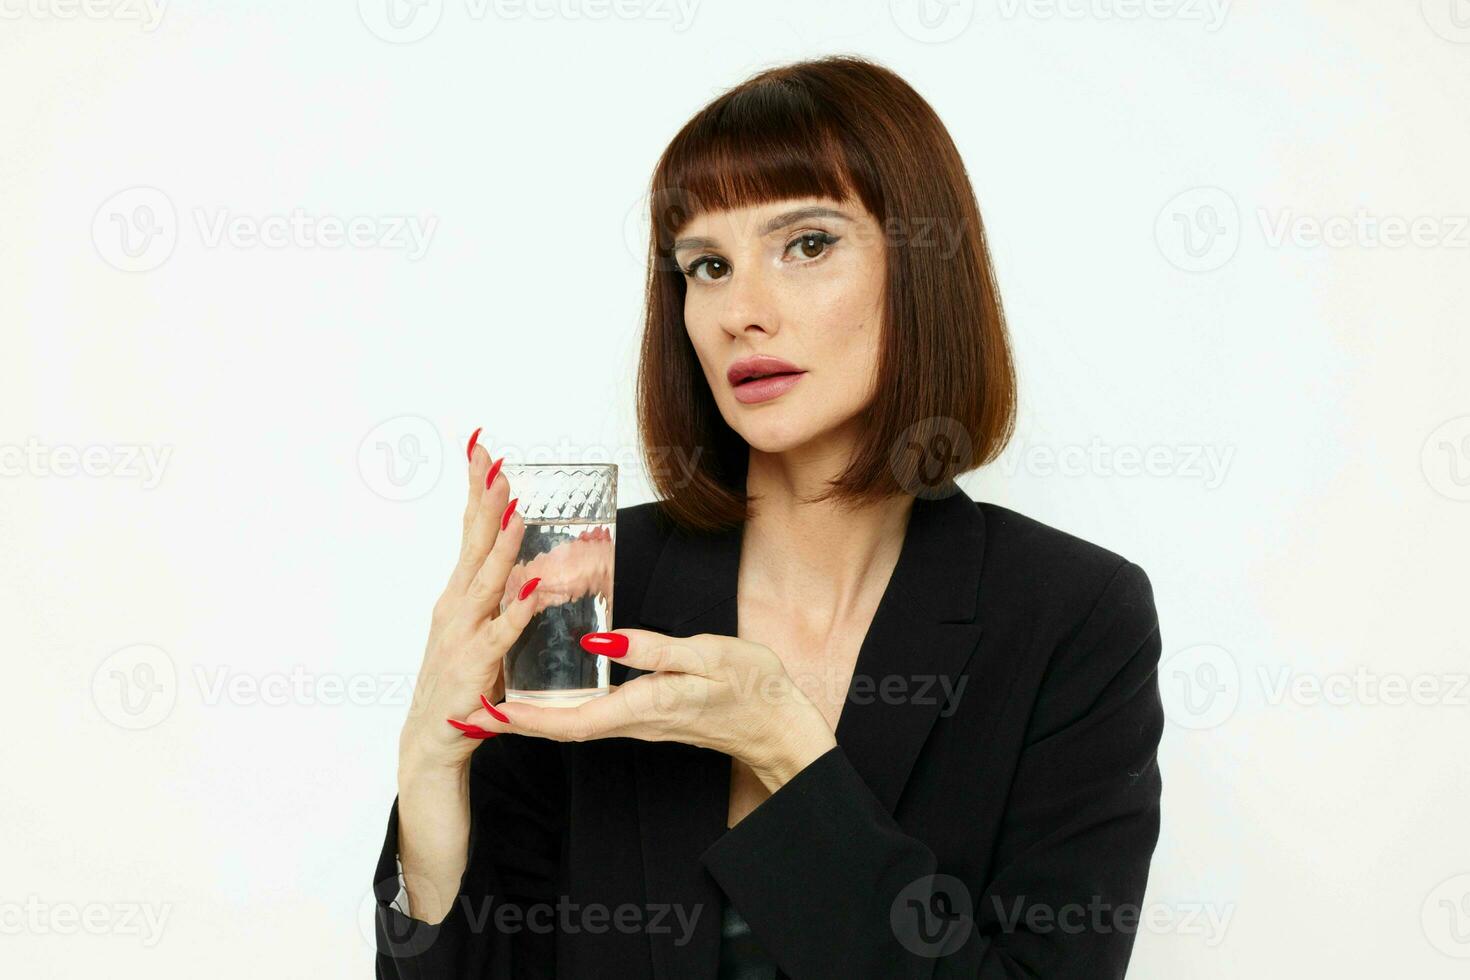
(863, 726)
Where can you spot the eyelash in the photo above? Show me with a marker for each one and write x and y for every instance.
(827, 240)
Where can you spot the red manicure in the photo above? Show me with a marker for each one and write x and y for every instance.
(472, 731)
(607, 644)
(494, 468)
(510, 509)
(526, 589)
(499, 715)
(469, 451)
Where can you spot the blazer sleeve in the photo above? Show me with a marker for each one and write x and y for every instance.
(517, 818)
(832, 886)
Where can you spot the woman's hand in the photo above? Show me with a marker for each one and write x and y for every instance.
(718, 692)
(468, 634)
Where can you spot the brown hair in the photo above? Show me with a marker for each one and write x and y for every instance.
(838, 127)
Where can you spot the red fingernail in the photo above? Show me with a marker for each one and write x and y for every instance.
(469, 451)
(473, 731)
(499, 715)
(510, 509)
(526, 589)
(494, 468)
(607, 644)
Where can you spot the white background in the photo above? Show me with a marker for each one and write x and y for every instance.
(1150, 176)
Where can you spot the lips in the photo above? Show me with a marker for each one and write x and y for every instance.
(749, 369)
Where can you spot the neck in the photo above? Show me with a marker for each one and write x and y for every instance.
(818, 560)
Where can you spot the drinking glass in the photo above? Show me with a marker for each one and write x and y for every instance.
(571, 512)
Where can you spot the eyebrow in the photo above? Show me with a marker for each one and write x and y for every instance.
(782, 220)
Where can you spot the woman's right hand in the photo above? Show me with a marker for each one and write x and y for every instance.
(468, 634)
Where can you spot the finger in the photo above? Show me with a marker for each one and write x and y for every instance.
(600, 717)
(478, 476)
(484, 718)
(647, 650)
(480, 534)
(485, 590)
(495, 636)
(479, 461)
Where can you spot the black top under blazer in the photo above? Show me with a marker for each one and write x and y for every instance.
(1004, 832)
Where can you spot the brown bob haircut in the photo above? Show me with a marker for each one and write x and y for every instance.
(845, 128)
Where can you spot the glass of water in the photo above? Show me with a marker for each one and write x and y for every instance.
(570, 511)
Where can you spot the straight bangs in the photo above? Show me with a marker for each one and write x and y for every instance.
(761, 145)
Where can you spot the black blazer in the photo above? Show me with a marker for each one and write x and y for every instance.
(1004, 830)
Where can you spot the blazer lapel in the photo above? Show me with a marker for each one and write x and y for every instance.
(922, 631)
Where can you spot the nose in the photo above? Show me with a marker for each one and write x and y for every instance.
(749, 304)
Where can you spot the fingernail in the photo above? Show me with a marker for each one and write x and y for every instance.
(473, 731)
(510, 509)
(469, 451)
(526, 589)
(494, 468)
(499, 715)
(607, 644)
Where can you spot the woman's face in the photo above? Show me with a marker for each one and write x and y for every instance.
(800, 280)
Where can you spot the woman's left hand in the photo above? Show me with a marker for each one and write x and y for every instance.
(718, 692)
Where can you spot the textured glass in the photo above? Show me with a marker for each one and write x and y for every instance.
(571, 520)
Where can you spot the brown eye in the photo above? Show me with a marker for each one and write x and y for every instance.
(812, 244)
(717, 267)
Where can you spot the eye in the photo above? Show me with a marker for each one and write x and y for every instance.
(718, 267)
(812, 245)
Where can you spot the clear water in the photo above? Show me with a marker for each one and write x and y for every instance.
(574, 560)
